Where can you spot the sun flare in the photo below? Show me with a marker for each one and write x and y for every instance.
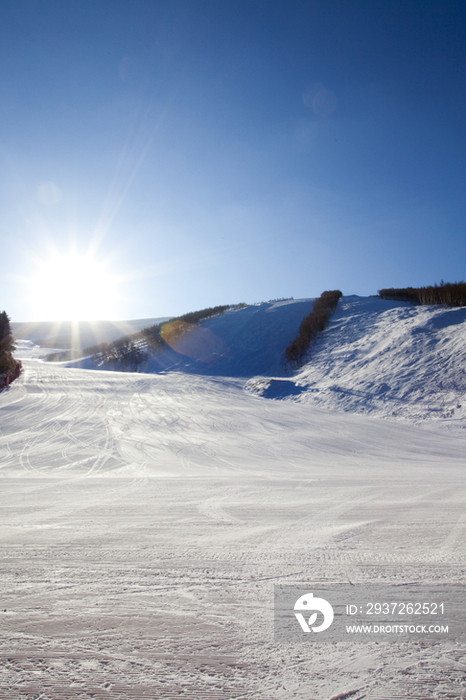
(73, 287)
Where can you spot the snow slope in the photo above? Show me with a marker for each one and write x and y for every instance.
(239, 343)
(385, 359)
(145, 519)
(381, 358)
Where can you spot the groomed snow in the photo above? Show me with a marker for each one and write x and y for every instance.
(146, 517)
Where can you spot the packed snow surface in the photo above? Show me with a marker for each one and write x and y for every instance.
(145, 518)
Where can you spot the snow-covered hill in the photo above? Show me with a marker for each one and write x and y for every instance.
(240, 343)
(387, 359)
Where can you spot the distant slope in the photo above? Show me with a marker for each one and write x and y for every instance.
(61, 335)
(387, 359)
(240, 343)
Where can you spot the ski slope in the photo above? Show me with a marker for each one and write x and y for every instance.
(381, 358)
(239, 343)
(145, 519)
(386, 359)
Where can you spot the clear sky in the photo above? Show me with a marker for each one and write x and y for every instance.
(158, 157)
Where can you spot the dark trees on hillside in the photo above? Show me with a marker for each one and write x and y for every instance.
(129, 350)
(204, 314)
(126, 352)
(312, 326)
(447, 293)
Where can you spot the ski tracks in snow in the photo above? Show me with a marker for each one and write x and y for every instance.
(145, 520)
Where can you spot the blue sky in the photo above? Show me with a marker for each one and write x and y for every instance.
(204, 152)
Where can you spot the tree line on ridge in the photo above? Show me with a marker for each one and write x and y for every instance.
(447, 294)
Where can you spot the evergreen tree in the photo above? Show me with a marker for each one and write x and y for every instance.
(7, 363)
(6, 337)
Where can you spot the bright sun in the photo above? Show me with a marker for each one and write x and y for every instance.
(74, 287)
